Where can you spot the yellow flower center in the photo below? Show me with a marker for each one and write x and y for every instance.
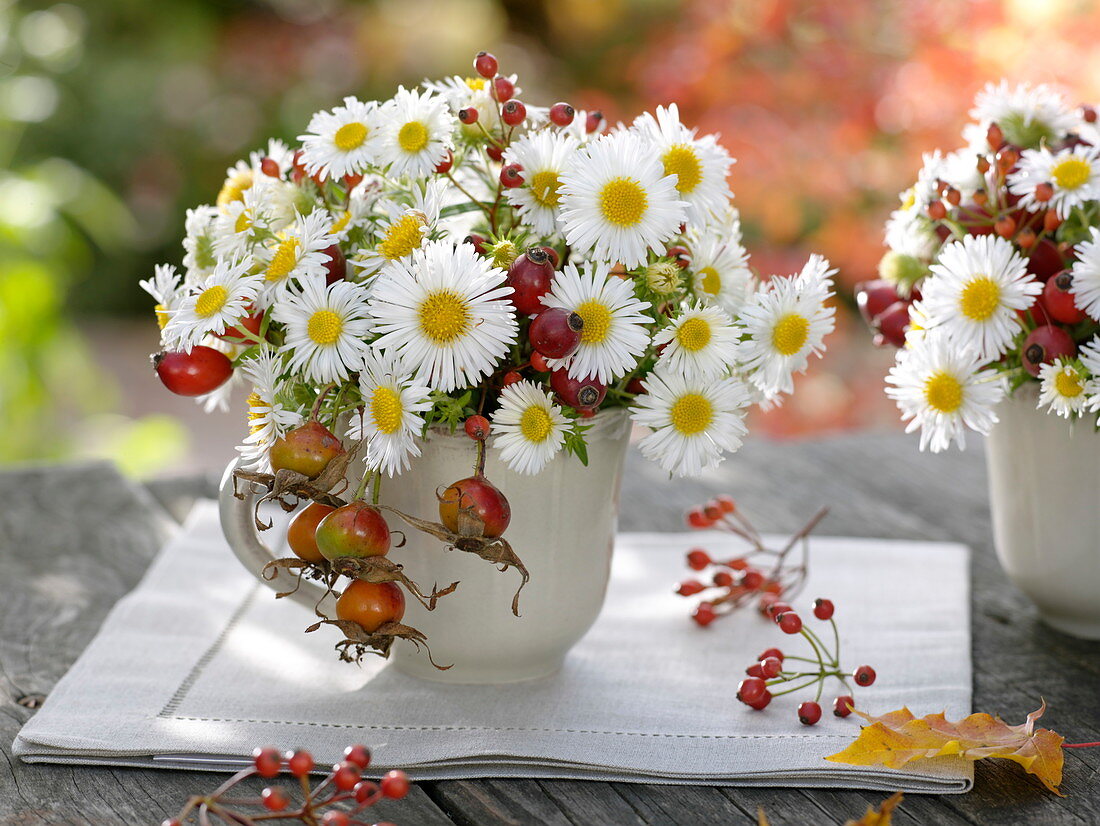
(544, 188)
(1067, 382)
(535, 424)
(341, 223)
(385, 409)
(980, 298)
(597, 321)
(1071, 173)
(943, 392)
(909, 198)
(211, 300)
(692, 413)
(350, 136)
(683, 162)
(790, 333)
(243, 222)
(711, 281)
(694, 334)
(256, 412)
(324, 327)
(476, 83)
(162, 315)
(403, 236)
(234, 187)
(444, 316)
(283, 261)
(623, 202)
(413, 137)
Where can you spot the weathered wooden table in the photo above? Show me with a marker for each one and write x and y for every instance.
(74, 538)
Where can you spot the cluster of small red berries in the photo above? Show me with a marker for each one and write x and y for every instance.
(773, 669)
(344, 784)
(761, 575)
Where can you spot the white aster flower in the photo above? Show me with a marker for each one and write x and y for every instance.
(445, 311)
(1065, 387)
(617, 201)
(325, 328)
(242, 224)
(406, 228)
(416, 132)
(700, 165)
(941, 389)
(268, 418)
(614, 334)
(345, 141)
(1072, 173)
(219, 302)
(694, 421)
(720, 271)
(294, 254)
(166, 288)
(464, 92)
(391, 416)
(357, 213)
(543, 156)
(239, 178)
(908, 232)
(199, 258)
(976, 287)
(1086, 275)
(1027, 115)
(528, 428)
(701, 342)
(786, 321)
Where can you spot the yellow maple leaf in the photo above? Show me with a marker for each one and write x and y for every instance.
(899, 737)
(882, 816)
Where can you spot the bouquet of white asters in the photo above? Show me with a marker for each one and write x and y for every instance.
(992, 278)
(451, 252)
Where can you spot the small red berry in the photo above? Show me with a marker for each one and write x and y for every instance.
(366, 792)
(577, 393)
(680, 256)
(704, 614)
(698, 559)
(789, 622)
(1088, 114)
(468, 115)
(556, 332)
(690, 587)
(726, 503)
(750, 689)
(562, 114)
(513, 112)
(1059, 300)
(776, 608)
(752, 579)
(494, 152)
(270, 167)
(723, 579)
(477, 428)
(1043, 345)
(738, 564)
(335, 818)
(697, 519)
(511, 175)
(762, 702)
(504, 89)
(444, 166)
(344, 776)
(511, 377)
(538, 362)
(195, 373)
(360, 755)
(994, 136)
(592, 120)
(771, 666)
(486, 65)
(864, 675)
(1051, 221)
(274, 799)
(713, 512)
(809, 713)
(755, 670)
(823, 608)
(1043, 192)
(300, 762)
(1007, 158)
(937, 211)
(1005, 226)
(842, 705)
(772, 652)
(394, 784)
(267, 761)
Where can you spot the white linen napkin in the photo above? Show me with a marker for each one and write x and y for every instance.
(200, 664)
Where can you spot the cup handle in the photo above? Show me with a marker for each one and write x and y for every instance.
(239, 527)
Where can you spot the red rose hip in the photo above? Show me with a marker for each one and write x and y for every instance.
(201, 371)
(556, 332)
(530, 277)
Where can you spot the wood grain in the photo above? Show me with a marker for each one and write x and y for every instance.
(75, 538)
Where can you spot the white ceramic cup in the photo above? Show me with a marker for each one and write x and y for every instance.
(1044, 488)
(562, 528)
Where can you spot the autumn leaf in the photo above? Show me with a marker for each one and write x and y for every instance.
(899, 737)
(882, 816)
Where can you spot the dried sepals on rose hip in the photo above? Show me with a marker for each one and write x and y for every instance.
(760, 575)
(790, 673)
(337, 799)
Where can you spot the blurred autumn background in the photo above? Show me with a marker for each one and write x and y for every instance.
(116, 115)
